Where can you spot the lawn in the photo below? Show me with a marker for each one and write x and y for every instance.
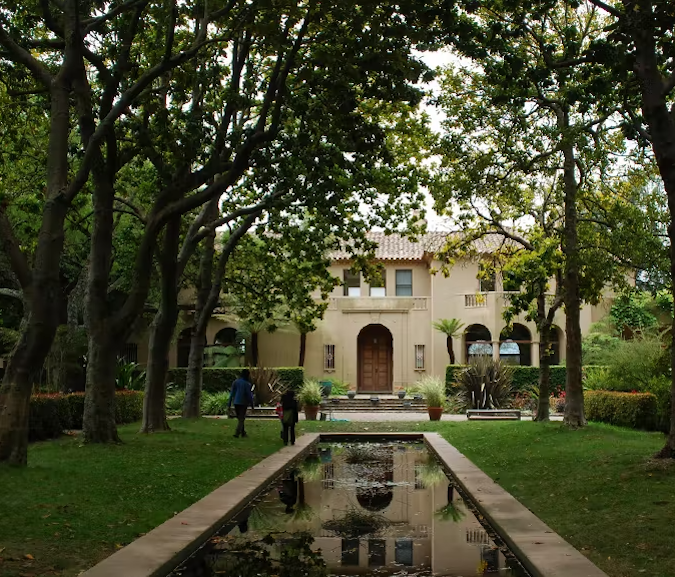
(76, 504)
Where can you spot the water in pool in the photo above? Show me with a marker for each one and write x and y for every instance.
(372, 509)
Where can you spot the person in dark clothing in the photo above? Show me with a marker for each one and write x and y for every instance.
(242, 396)
(289, 406)
(288, 492)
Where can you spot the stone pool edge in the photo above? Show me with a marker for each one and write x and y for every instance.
(166, 546)
(540, 549)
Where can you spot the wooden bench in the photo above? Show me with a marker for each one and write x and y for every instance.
(493, 414)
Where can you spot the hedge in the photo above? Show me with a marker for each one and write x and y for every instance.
(216, 380)
(634, 410)
(523, 377)
(52, 414)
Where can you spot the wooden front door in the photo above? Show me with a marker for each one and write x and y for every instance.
(375, 359)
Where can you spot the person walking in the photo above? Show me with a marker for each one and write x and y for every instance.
(241, 394)
(289, 406)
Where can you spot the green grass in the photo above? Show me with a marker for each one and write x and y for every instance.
(74, 504)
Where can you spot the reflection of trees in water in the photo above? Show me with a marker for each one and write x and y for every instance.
(278, 554)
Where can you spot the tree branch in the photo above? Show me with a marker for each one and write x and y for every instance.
(607, 8)
(22, 56)
(10, 245)
(13, 293)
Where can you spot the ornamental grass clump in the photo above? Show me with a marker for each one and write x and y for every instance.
(433, 391)
(486, 383)
(310, 393)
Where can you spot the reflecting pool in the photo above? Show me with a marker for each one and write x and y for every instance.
(371, 509)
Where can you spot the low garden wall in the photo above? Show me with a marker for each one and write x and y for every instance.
(218, 380)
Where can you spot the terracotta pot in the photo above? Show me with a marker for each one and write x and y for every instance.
(310, 412)
(435, 413)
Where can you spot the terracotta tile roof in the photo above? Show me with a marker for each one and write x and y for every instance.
(396, 247)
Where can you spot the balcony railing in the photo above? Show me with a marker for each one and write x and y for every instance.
(367, 303)
(485, 299)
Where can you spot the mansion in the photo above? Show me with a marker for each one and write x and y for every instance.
(381, 338)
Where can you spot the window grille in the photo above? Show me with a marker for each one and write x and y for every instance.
(419, 357)
(329, 357)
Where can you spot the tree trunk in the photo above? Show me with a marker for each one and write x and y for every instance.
(543, 404)
(154, 402)
(254, 349)
(574, 393)
(303, 349)
(14, 410)
(193, 381)
(99, 400)
(41, 286)
(661, 124)
(451, 351)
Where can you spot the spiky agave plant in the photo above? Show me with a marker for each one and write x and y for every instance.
(486, 383)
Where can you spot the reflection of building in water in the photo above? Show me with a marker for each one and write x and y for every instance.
(423, 531)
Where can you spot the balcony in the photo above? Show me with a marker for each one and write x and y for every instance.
(368, 304)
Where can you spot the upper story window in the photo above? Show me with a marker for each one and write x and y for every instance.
(352, 282)
(487, 280)
(404, 283)
(378, 286)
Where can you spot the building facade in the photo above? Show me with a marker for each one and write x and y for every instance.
(381, 338)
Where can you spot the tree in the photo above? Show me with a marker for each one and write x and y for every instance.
(638, 50)
(451, 328)
(530, 138)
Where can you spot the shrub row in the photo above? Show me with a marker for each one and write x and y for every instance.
(216, 380)
(634, 410)
(52, 414)
(523, 377)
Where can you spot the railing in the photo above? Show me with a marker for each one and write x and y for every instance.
(475, 300)
(368, 303)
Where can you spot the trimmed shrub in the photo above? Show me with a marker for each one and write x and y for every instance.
(49, 416)
(634, 410)
(218, 380)
(524, 378)
(52, 414)
(76, 403)
(128, 406)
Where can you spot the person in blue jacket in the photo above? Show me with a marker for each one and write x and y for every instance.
(242, 395)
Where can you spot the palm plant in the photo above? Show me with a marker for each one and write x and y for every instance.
(451, 328)
(450, 512)
(486, 383)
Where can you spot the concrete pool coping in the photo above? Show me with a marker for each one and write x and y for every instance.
(542, 551)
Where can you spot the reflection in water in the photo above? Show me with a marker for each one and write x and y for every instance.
(358, 509)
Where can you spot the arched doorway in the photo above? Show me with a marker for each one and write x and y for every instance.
(555, 339)
(515, 345)
(477, 341)
(375, 359)
(183, 347)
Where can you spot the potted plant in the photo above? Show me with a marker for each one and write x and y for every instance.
(351, 393)
(309, 397)
(433, 390)
(401, 394)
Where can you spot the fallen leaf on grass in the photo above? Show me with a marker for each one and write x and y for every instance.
(118, 546)
(29, 557)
